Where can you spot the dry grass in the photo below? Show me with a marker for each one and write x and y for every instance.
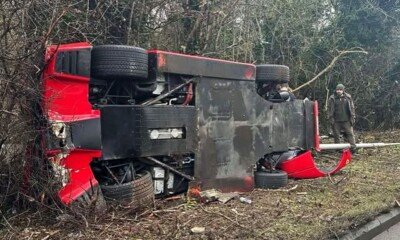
(316, 209)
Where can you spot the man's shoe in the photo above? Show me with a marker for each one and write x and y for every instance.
(353, 151)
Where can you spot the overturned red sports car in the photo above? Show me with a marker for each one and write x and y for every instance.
(131, 124)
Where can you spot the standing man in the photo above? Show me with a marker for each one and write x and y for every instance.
(342, 115)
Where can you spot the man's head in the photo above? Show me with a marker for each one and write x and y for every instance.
(282, 87)
(339, 89)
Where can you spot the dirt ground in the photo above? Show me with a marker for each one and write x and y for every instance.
(306, 209)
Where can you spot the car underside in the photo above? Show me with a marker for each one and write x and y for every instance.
(129, 125)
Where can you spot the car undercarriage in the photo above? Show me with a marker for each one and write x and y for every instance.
(135, 124)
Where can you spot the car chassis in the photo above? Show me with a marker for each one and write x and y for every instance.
(137, 124)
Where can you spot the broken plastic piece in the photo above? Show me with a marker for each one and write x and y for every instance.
(303, 166)
(245, 200)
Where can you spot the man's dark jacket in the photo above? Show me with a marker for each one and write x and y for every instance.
(349, 107)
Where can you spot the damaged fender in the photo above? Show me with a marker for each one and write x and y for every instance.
(80, 177)
(74, 133)
(304, 167)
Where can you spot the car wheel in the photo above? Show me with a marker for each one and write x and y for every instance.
(92, 200)
(137, 193)
(146, 88)
(270, 179)
(119, 62)
(267, 73)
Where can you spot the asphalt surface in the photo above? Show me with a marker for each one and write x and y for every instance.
(392, 233)
(384, 227)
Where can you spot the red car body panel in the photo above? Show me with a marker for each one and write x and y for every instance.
(66, 100)
(65, 95)
(80, 173)
(316, 127)
(303, 166)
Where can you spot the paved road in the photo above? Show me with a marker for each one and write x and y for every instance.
(377, 225)
(392, 233)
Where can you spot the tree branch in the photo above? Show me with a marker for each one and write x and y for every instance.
(330, 66)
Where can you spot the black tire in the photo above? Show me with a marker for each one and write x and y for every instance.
(119, 62)
(91, 201)
(146, 88)
(272, 73)
(138, 193)
(270, 180)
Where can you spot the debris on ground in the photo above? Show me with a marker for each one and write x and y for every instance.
(245, 200)
(215, 195)
(320, 208)
(198, 230)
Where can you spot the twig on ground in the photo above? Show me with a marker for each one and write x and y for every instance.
(330, 179)
(334, 233)
(302, 193)
(235, 222)
(336, 183)
(84, 219)
(165, 210)
(279, 190)
(32, 199)
(8, 224)
(143, 213)
(226, 217)
(17, 215)
(8, 112)
(173, 198)
(105, 229)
